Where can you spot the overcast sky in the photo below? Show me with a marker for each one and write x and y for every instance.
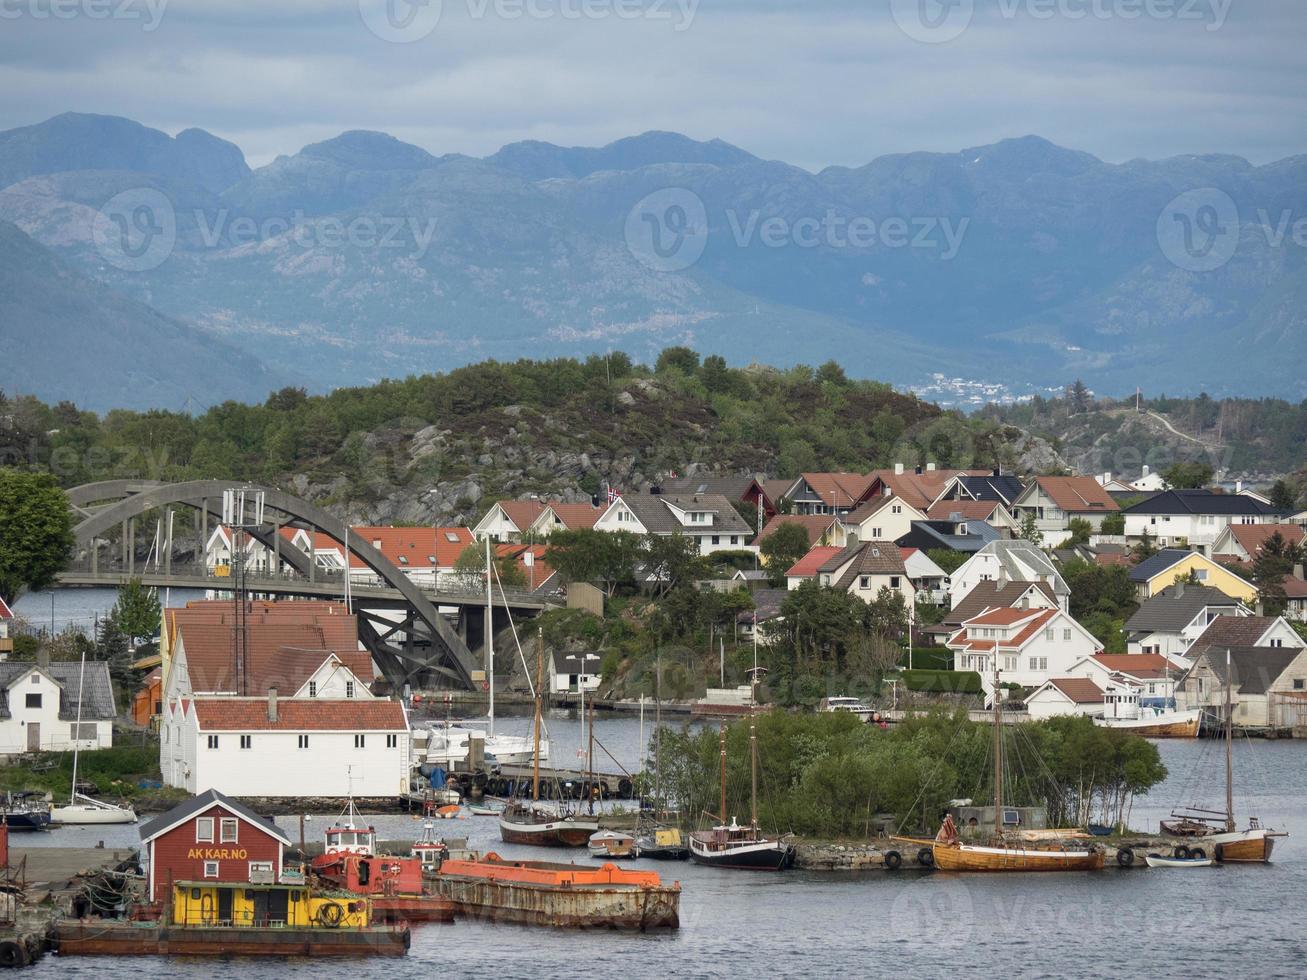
(811, 82)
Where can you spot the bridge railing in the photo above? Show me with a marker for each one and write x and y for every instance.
(219, 578)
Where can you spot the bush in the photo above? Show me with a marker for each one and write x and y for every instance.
(942, 681)
(929, 658)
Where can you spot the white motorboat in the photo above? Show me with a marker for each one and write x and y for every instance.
(448, 746)
(854, 706)
(84, 810)
(1158, 861)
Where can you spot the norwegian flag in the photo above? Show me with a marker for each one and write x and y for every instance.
(613, 494)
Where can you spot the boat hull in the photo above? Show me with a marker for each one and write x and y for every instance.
(976, 857)
(564, 896)
(555, 833)
(95, 937)
(1175, 724)
(767, 855)
(1157, 861)
(26, 820)
(91, 815)
(1245, 847)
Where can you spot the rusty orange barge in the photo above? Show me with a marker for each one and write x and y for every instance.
(564, 895)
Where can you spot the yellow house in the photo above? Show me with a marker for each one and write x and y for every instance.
(1154, 574)
(214, 903)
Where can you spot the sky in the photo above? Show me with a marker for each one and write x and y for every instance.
(811, 82)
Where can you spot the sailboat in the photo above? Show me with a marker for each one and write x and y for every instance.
(1253, 845)
(82, 809)
(730, 845)
(1001, 852)
(536, 821)
(654, 837)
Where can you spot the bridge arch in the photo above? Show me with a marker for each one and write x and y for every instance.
(122, 501)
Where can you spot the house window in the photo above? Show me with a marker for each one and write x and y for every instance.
(1049, 634)
(1066, 636)
(1299, 683)
(33, 700)
(896, 509)
(303, 741)
(360, 741)
(893, 581)
(247, 741)
(875, 532)
(230, 830)
(1277, 643)
(716, 539)
(349, 689)
(392, 741)
(864, 582)
(735, 539)
(210, 869)
(213, 741)
(1200, 574)
(313, 689)
(204, 830)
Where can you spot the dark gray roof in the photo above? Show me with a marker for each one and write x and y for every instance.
(1003, 488)
(1158, 563)
(1255, 669)
(731, 486)
(991, 595)
(1172, 609)
(939, 534)
(1201, 502)
(653, 512)
(1230, 631)
(98, 704)
(198, 804)
(578, 662)
(766, 605)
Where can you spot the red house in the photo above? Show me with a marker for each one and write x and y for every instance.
(213, 837)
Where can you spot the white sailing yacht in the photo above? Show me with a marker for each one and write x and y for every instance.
(82, 809)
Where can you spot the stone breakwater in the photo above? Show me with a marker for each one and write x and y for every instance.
(829, 856)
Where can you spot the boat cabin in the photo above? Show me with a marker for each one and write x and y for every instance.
(980, 819)
(228, 903)
(427, 849)
(348, 839)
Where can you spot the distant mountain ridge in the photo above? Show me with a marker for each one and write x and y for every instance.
(1021, 263)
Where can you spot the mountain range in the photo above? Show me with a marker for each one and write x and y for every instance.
(1020, 263)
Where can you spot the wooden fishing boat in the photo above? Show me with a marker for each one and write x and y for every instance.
(1218, 832)
(661, 843)
(1163, 724)
(566, 895)
(731, 845)
(1009, 852)
(534, 821)
(1159, 861)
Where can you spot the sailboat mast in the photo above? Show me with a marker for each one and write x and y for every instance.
(658, 730)
(535, 752)
(723, 744)
(753, 742)
(77, 731)
(1229, 748)
(998, 752)
(590, 758)
(490, 636)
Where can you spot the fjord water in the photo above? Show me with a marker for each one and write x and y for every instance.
(1227, 921)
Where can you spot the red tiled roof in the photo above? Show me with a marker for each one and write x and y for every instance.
(840, 489)
(815, 524)
(1295, 588)
(1252, 537)
(522, 512)
(1081, 690)
(536, 574)
(5, 612)
(1003, 617)
(807, 566)
(969, 510)
(920, 489)
(577, 516)
(1077, 494)
(251, 714)
(1034, 620)
(1142, 665)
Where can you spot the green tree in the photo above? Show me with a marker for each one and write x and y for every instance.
(586, 555)
(36, 531)
(672, 561)
(681, 359)
(714, 374)
(1191, 475)
(137, 611)
(1274, 561)
(947, 559)
(1029, 530)
(781, 549)
(1283, 496)
(1113, 523)
(1144, 548)
(1081, 530)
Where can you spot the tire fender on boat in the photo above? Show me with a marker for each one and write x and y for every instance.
(1198, 852)
(1181, 851)
(893, 859)
(1125, 857)
(12, 955)
(926, 857)
(1219, 852)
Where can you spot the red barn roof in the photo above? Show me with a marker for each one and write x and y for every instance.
(251, 714)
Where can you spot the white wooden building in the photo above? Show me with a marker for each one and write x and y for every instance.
(39, 701)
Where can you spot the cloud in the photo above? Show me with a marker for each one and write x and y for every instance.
(814, 84)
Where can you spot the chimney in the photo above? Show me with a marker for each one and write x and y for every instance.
(1179, 589)
(1238, 486)
(272, 704)
(898, 469)
(1145, 469)
(1107, 477)
(1297, 572)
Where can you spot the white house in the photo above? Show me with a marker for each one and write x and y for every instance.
(1172, 620)
(867, 567)
(1149, 482)
(570, 673)
(929, 580)
(1066, 696)
(1054, 501)
(1031, 645)
(288, 748)
(1003, 562)
(880, 519)
(509, 521)
(1193, 518)
(1244, 542)
(38, 706)
(1152, 677)
(709, 518)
